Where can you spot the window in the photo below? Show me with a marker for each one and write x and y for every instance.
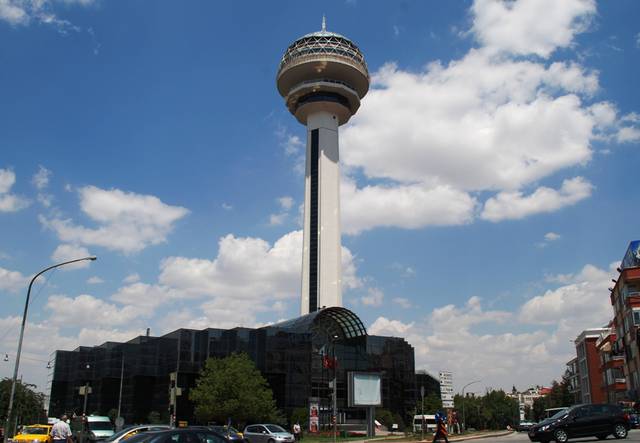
(208, 437)
(636, 317)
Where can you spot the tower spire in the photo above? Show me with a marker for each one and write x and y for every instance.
(324, 23)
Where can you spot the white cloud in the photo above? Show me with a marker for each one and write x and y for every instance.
(551, 236)
(477, 124)
(582, 302)
(227, 206)
(11, 12)
(530, 26)
(12, 281)
(285, 202)
(374, 297)
(10, 202)
(95, 280)
(66, 252)
(628, 134)
(41, 178)
(41, 181)
(277, 219)
(23, 12)
(514, 205)
(247, 269)
(384, 326)
(88, 311)
(411, 206)
(127, 222)
(131, 278)
(402, 302)
(144, 296)
(469, 340)
(489, 122)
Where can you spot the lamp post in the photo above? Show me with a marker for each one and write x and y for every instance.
(24, 320)
(85, 391)
(464, 420)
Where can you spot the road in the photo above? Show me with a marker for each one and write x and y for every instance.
(634, 435)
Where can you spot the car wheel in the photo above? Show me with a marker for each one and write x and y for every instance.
(270, 440)
(619, 431)
(560, 436)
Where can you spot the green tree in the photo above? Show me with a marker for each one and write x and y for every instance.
(539, 406)
(300, 416)
(232, 387)
(560, 395)
(28, 405)
(385, 417)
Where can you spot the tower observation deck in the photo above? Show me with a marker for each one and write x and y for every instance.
(322, 77)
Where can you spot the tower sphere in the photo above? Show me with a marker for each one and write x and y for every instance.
(323, 71)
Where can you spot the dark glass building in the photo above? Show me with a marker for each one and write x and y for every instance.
(292, 356)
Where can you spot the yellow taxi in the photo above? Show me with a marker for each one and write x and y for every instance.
(34, 434)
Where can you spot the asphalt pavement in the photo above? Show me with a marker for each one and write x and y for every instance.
(634, 435)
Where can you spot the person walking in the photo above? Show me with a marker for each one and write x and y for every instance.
(61, 432)
(441, 428)
(297, 431)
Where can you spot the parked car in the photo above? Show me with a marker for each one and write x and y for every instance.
(267, 433)
(181, 435)
(524, 426)
(228, 432)
(33, 434)
(130, 431)
(91, 428)
(582, 421)
(634, 418)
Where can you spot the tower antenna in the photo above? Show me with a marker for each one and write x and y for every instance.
(324, 23)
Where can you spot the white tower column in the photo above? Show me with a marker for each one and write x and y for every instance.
(322, 252)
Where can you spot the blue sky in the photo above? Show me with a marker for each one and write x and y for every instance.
(488, 185)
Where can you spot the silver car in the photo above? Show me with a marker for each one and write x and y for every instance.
(265, 433)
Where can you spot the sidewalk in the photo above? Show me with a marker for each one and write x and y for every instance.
(451, 437)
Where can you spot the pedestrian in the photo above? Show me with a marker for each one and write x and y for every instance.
(61, 432)
(297, 431)
(441, 429)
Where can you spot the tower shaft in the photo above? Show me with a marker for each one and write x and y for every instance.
(322, 252)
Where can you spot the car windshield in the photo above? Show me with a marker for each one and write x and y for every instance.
(559, 414)
(35, 430)
(275, 428)
(117, 435)
(100, 426)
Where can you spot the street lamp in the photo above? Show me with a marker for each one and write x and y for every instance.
(464, 421)
(24, 320)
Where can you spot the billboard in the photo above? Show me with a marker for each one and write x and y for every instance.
(314, 415)
(364, 389)
(632, 257)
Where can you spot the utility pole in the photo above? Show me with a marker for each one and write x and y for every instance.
(118, 419)
(86, 396)
(422, 416)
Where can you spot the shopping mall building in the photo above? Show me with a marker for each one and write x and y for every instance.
(289, 355)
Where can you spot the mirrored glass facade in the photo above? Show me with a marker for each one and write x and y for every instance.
(292, 356)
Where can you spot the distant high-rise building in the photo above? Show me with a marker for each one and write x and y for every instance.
(322, 77)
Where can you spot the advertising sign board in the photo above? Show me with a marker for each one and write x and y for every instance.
(364, 389)
(314, 415)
